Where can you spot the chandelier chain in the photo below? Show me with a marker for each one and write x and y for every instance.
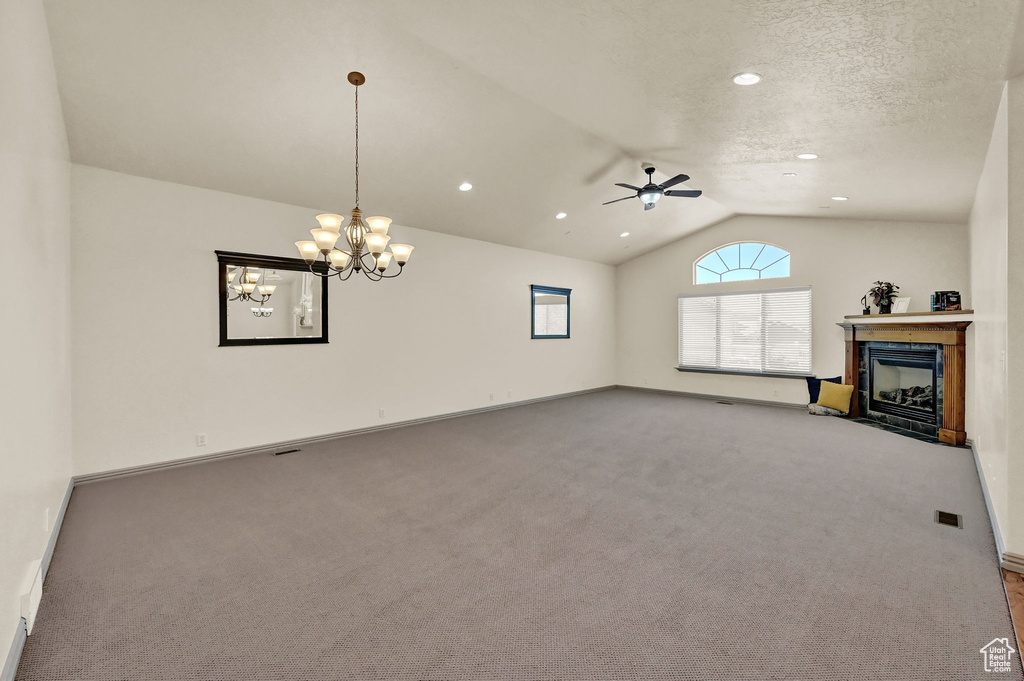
(357, 146)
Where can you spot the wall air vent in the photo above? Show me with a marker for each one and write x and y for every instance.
(287, 451)
(723, 402)
(951, 519)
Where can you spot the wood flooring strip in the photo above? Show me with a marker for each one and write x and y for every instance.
(1014, 583)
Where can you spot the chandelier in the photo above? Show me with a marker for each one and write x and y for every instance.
(248, 286)
(366, 245)
(262, 311)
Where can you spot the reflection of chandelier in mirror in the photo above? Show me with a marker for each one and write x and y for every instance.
(262, 311)
(366, 246)
(249, 283)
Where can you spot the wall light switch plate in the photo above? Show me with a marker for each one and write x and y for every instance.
(200, 439)
(381, 412)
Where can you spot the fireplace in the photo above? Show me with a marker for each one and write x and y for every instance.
(903, 383)
(909, 374)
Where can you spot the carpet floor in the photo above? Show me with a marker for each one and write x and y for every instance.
(615, 535)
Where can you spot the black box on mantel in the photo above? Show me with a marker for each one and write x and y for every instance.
(943, 300)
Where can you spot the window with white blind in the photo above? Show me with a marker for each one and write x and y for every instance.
(751, 332)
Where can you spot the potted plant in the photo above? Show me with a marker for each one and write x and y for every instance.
(883, 293)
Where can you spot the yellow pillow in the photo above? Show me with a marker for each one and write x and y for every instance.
(835, 396)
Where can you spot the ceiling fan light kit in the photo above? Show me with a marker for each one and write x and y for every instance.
(367, 241)
(651, 193)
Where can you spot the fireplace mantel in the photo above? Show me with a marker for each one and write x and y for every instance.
(951, 335)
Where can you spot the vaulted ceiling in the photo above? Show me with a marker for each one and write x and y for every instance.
(542, 105)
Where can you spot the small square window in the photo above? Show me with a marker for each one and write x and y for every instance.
(550, 305)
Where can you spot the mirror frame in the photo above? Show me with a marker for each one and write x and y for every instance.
(225, 258)
(537, 288)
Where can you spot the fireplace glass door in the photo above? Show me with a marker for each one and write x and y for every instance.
(903, 383)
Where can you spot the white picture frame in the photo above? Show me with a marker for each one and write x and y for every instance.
(901, 305)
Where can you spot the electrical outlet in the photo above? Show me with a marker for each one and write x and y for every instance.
(492, 397)
(200, 439)
(381, 412)
(510, 393)
(646, 382)
(775, 393)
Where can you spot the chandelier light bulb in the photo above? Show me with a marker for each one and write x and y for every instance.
(308, 250)
(383, 260)
(339, 259)
(248, 288)
(325, 238)
(379, 224)
(267, 290)
(376, 243)
(330, 221)
(401, 252)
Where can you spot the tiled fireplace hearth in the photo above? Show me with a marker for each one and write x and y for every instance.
(909, 375)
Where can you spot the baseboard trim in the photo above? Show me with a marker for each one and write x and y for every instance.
(1014, 562)
(716, 398)
(55, 532)
(14, 655)
(1000, 549)
(244, 451)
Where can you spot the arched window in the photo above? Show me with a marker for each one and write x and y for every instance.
(742, 261)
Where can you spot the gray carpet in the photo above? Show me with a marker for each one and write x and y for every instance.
(617, 535)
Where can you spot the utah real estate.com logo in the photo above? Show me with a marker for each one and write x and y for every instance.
(997, 655)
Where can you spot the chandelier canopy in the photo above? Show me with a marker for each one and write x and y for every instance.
(367, 242)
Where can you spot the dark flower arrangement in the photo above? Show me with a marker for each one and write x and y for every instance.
(884, 292)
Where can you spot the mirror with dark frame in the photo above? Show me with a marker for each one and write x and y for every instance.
(269, 300)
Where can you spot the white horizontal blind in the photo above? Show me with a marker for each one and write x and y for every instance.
(751, 331)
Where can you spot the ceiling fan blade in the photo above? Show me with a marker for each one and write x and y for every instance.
(674, 181)
(617, 200)
(627, 186)
(648, 206)
(690, 193)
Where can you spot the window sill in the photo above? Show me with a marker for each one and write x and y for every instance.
(730, 372)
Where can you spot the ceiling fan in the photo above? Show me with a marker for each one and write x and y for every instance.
(650, 193)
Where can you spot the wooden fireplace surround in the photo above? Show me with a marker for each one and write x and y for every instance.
(950, 335)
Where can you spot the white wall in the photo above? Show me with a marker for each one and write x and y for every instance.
(1013, 531)
(986, 374)
(839, 259)
(35, 407)
(452, 330)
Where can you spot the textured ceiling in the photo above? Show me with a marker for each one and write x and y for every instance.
(543, 105)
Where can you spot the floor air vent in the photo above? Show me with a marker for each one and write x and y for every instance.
(287, 451)
(947, 518)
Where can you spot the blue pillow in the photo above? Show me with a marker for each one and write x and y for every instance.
(814, 386)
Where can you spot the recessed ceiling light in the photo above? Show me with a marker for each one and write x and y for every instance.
(789, 174)
(624, 234)
(807, 157)
(840, 198)
(560, 216)
(746, 78)
(465, 186)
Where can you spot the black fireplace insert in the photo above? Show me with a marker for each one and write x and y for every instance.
(903, 383)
